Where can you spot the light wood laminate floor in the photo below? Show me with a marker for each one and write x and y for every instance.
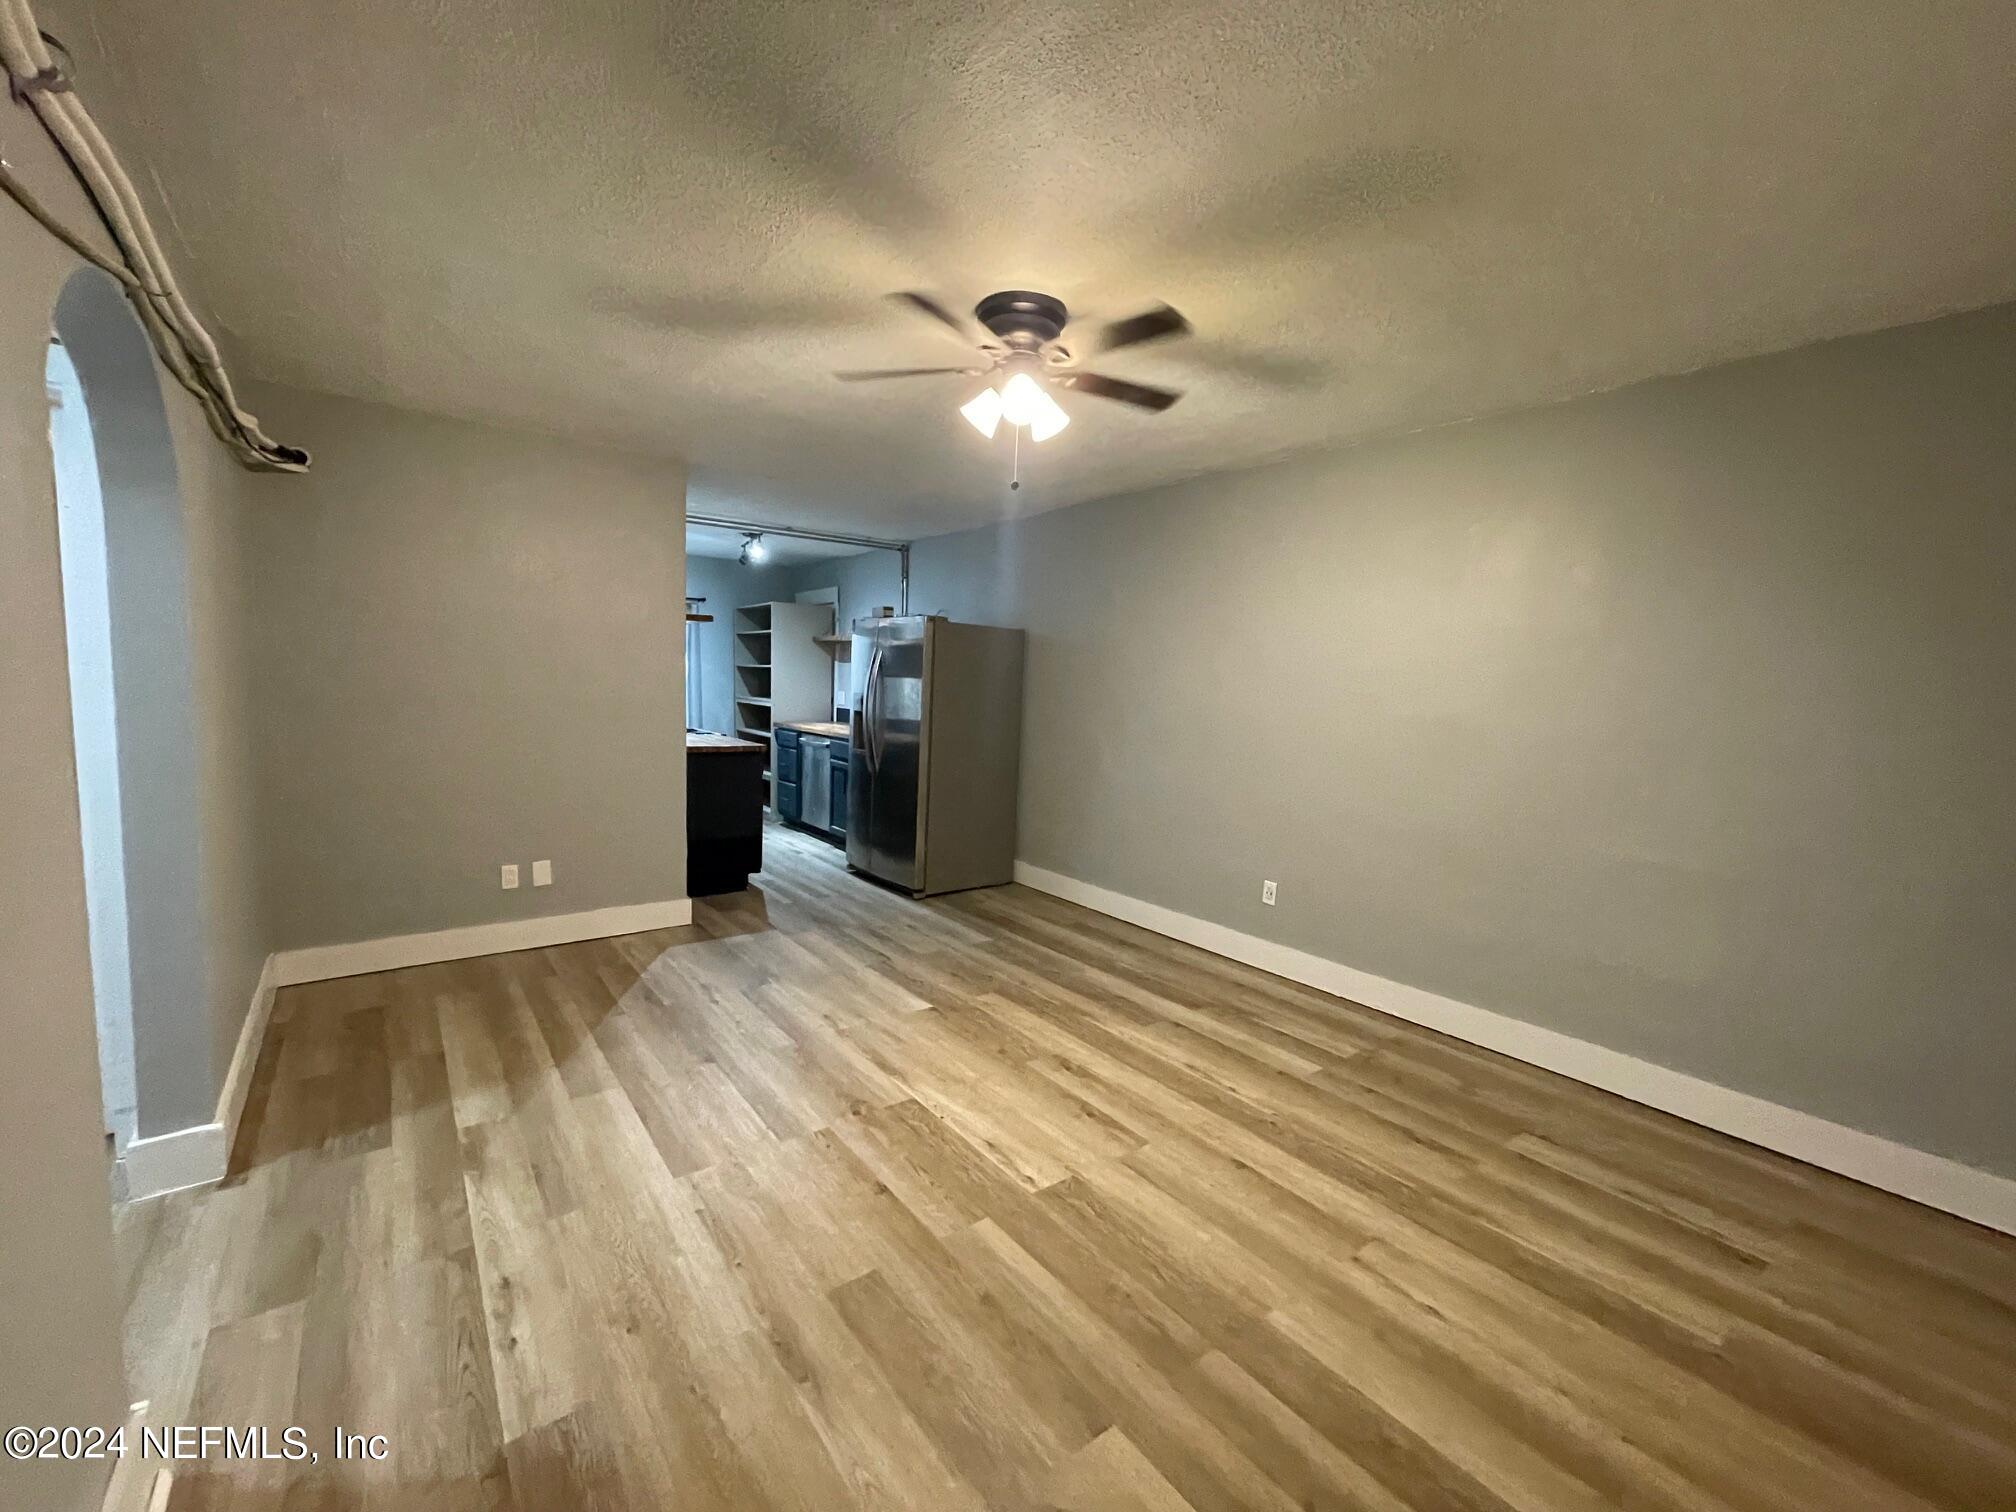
(836, 1200)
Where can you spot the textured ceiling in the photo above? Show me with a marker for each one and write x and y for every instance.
(663, 224)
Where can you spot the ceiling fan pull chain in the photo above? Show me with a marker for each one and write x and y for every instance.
(1015, 472)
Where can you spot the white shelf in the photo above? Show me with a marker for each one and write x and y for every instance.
(782, 673)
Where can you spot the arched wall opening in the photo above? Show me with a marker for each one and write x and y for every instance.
(87, 628)
(146, 845)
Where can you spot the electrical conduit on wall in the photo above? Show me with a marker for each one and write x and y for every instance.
(185, 347)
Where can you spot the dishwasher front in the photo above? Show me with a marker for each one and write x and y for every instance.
(815, 782)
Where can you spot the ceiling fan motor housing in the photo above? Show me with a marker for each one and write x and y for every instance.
(1021, 318)
(1025, 327)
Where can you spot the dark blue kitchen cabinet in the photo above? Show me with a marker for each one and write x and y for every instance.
(811, 767)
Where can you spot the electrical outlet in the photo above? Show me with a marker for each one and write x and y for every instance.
(542, 873)
(507, 877)
(1267, 893)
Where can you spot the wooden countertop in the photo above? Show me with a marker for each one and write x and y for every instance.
(828, 728)
(698, 743)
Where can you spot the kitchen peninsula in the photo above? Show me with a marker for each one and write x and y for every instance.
(726, 786)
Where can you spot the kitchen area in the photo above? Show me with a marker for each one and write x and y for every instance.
(893, 736)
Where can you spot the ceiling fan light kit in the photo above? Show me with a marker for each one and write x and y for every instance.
(1026, 358)
(1021, 401)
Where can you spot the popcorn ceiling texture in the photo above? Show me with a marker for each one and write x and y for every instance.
(662, 225)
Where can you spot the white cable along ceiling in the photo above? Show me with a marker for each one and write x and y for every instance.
(36, 80)
(664, 227)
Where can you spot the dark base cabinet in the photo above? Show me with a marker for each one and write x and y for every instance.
(725, 792)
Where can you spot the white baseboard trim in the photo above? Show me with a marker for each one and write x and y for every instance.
(198, 1155)
(319, 963)
(1981, 1196)
(245, 1059)
(171, 1162)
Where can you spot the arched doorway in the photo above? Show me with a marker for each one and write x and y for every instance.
(127, 626)
(87, 625)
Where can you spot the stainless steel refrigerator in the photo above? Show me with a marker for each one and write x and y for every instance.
(936, 748)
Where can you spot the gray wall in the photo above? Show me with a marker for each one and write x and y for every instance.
(724, 584)
(1678, 719)
(950, 574)
(867, 581)
(59, 1296)
(220, 509)
(470, 652)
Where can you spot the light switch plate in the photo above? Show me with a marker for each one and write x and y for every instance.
(542, 873)
(507, 877)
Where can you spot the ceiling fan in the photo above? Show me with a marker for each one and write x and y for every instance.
(1026, 356)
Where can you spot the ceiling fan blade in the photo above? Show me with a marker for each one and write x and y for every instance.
(867, 375)
(1149, 325)
(1140, 395)
(924, 304)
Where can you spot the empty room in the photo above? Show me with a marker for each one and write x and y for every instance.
(1208, 757)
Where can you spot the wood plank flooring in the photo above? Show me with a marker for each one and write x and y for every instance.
(836, 1200)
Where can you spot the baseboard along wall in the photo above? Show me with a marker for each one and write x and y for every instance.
(320, 963)
(194, 1156)
(197, 1156)
(245, 1059)
(1934, 1180)
(165, 1163)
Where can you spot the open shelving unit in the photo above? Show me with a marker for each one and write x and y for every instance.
(781, 673)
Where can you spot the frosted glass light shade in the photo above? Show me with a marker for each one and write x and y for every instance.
(1022, 399)
(1049, 420)
(983, 412)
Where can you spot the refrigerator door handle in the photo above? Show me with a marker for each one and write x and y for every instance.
(871, 700)
(865, 714)
(857, 718)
